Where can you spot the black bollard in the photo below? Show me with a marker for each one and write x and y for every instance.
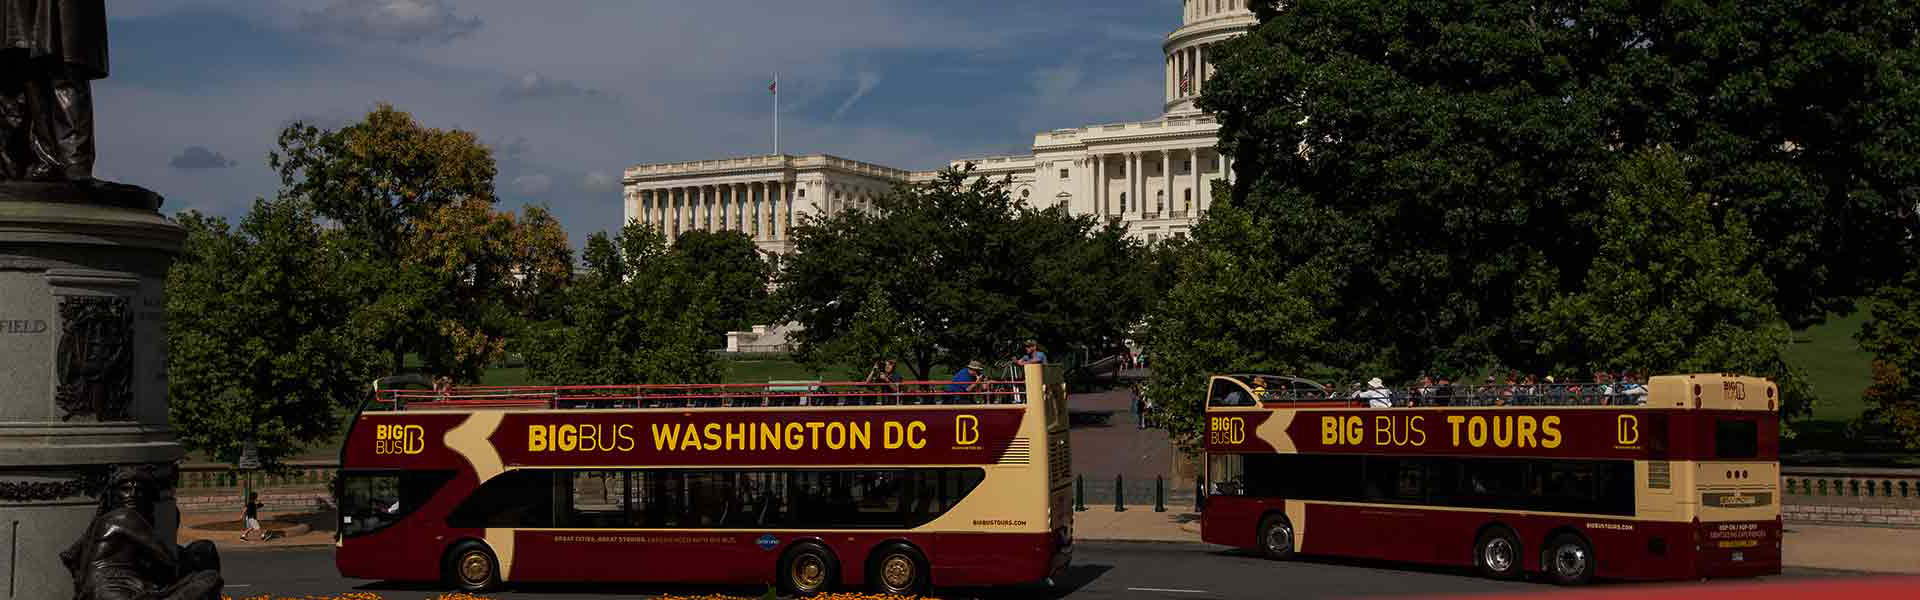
(1080, 493)
(1119, 494)
(1159, 493)
(1199, 494)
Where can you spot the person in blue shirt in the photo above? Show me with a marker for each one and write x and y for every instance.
(966, 380)
(1034, 356)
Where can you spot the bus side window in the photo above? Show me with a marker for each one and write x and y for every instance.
(512, 499)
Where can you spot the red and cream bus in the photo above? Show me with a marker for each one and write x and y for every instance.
(811, 486)
(1676, 479)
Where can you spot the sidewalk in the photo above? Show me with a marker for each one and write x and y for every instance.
(290, 529)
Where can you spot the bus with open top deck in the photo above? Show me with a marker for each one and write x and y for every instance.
(1674, 479)
(897, 486)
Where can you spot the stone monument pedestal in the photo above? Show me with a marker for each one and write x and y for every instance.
(83, 369)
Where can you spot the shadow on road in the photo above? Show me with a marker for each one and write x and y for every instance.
(1077, 576)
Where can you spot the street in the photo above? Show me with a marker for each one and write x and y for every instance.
(1101, 570)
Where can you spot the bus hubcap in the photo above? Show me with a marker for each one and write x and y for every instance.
(808, 572)
(1499, 555)
(898, 571)
(1571, 560)
(473, 568)
(1280, 537)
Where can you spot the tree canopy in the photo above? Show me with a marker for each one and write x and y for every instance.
(448, 278)
(740, 278)
(260, 337)
(1434, 170)
(636, 315)
(965, 272)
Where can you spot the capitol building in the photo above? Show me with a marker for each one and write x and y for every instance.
(1154, 176)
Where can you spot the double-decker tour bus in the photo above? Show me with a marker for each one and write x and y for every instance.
(1675, 479)
(812, 486)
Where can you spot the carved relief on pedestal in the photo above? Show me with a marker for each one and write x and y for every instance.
(95, 358)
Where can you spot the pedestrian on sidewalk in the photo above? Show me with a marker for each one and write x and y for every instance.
(252, 517)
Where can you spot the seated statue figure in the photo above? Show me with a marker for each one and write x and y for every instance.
(121, 557)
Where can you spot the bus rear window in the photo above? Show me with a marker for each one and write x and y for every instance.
(1736, 439)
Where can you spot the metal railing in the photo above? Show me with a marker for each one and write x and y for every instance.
(734, 395)
(1557, 394)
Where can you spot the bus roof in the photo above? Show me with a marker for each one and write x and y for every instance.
(1718, 391)
(693, 396)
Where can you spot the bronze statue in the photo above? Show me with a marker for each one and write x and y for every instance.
(50, 53)
(120, 557)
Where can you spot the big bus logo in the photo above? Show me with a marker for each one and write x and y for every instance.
(1227, 430)
(1627, 432)
(966, 430)
(399, 439)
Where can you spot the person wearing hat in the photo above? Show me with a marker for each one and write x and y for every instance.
(1377, 395)
(966, 380)
(1034, 356)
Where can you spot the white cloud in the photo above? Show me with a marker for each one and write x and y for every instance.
(866, 83)
(598, 181)
(400, 21)
(532, 184)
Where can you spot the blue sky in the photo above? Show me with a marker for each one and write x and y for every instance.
(568, 93)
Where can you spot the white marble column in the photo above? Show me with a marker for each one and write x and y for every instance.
(1166, 173)
(779, 205)
(1199, 68)
(1199, 189)
(1136, 179)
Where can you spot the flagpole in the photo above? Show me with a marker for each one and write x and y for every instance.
(776, 113)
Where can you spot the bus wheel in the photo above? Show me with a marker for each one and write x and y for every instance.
(1569, 559)
(472, 568)
(1497, 553)
(898, 569)
(808, 569)
(1276, 537)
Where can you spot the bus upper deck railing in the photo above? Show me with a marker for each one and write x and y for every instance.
(685, 396)
(1520, 395)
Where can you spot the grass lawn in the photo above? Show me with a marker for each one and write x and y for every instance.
(1835, 366)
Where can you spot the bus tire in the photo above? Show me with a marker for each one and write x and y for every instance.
(897, 569)
(808, 568)
(1497, 553)
(1569, 559)
(1276, 537)
(472, 568)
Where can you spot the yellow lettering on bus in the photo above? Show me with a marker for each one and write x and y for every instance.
(1477, 431)
(862, 435)
(691, 441)
(1329, 430)
(966, 430)
(712, 433)
(624, 433)
(1455, 421)
(1524, 437)
(569, 437)
(892, 434)
(536, 438)
(1503, 431)
(916, 440)
(796, 436)
(666, 436)
(1421, 434)
(1550, 429)
(836, 435)
(813, 432)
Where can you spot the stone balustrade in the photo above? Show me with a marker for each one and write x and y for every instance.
(216, 477)
(1851, 495)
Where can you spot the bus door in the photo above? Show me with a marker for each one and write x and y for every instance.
(374, 511)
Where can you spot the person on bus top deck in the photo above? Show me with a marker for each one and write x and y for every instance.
(966, 380)
(1033, 356)
(1377, 395)
(888, 378)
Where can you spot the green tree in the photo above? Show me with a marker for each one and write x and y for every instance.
(740, 277)
(1674, 289)
(1234, 310)
(1432, 163)
(636, 315)
(447, 279)
(967, 271)
(259, 341)
(1892, 334)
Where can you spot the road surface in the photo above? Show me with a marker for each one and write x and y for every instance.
(1101, 570)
